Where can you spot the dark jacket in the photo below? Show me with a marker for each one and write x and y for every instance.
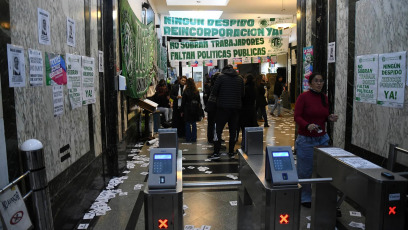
(206, 93)
(260, 95)
(248, 111)
(229, 90)
(191, 106)
(174, 94)
(278, 89)
(161, 97)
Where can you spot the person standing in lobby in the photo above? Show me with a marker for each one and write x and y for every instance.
(191, 110)
(229, 90)
(277, 92)
(311, 115)
(176, 95)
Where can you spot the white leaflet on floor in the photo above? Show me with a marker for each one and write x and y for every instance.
(89, 216)
(183, 158)
(208, 172)
(354, 213)
(205, 227)
(126, 172)
(83, 226)
(207, 159)
(185, 207)
(183, 168)
(123, 193)
(309, 217)
(308, 225)
(199, 144)
(138, 186)
(144, 165)
(185, 150)
(144, 173)
(188, 227)
(233, 203)
(132, 155)
(190, 167)
(186, 143)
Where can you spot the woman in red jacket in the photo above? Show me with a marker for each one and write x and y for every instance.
(311, 115)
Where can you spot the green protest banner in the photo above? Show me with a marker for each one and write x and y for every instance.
(138, 43)
(227, 48)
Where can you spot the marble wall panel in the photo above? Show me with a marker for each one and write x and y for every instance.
(34, 106)
(308, 23)
(340, 98)
(381, 27)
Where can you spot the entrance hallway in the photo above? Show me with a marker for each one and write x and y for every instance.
(202, 206)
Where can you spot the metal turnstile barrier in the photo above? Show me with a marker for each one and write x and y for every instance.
(264, 204)
(163, 195)
(380, 193)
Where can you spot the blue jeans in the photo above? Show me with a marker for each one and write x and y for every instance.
(276, 105)
(304, 151)
(191, 131)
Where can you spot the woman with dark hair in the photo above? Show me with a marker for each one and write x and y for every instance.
(191, 109)
(248, 111)
(260, 99)
(162, 98)
(311, 115)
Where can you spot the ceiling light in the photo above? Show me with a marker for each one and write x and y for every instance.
(213, 14)
(197, 2)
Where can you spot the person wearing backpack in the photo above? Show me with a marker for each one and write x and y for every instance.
(191, 110)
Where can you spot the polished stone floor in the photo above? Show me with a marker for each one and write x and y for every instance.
(202, 206)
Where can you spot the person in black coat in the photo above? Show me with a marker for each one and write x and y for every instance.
(229, 90)
(191, 110)
(260, 99)
(176, 94)
(277, 92)
(248, 111)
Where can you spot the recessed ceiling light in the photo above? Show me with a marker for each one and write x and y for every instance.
(212, 14)
(197, 2)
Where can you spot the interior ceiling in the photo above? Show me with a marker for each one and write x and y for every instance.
(237, 8)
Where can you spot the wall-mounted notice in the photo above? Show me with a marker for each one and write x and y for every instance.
(16, 66)
(100, 60)
(366, 78)
(88, 80)
(74, 80)
(44, 33)
(58, 99)
(307, 67)
(331, 52)
(391, 81)
(70, 32)
(56, 71)
(36, 67)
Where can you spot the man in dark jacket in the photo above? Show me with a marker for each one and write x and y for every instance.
(229, 90)
(176, 94)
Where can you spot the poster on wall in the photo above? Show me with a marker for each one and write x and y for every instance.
(331, 52)
(100, 61)
(56, 71)
(366, 70)
(16, 66)
(36, 67)
(44, 33)
(58, 99)
(307, 67)
(70, 32)
(391, 81)
(88, 80)
(246, 60)
(74, 80)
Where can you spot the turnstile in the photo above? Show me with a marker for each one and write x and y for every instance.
(168, 138)
(163, 195)
(253, 140)
(264, 204)
(382, 196)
